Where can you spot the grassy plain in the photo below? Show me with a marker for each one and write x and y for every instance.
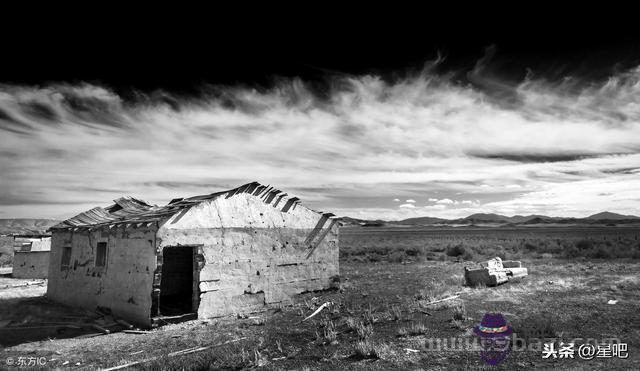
(396, 244)
(381, 317)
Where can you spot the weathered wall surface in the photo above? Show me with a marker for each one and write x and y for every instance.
(255, 253)
(123, 285)
(32, 264)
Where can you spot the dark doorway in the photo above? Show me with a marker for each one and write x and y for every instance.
(177, 282)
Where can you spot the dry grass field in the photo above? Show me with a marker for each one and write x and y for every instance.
(395, 244)
(381, 317)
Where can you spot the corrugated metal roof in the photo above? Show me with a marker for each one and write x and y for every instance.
(132, 210)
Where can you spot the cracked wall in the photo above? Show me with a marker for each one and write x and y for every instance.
(254, 252)
(123, 285)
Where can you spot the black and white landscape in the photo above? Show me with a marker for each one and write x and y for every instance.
(433, 144)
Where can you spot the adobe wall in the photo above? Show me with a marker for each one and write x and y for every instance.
(254, 253)
(123, 285)
(30, 264)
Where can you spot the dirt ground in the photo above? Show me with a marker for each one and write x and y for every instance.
(380, 319)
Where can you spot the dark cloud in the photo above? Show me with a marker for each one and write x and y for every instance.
(628, 170)
(350, 130)
(39, 110)
(534, 158)
(482, 77)
(10, 123)
(5, 116)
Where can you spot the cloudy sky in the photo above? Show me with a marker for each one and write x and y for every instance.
(419, 144)
(371, 113)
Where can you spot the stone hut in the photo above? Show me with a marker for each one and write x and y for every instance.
(31, 256)
(199, 257)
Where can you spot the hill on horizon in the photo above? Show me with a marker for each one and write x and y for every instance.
(26, 225)
(491, 218)
(606, 215)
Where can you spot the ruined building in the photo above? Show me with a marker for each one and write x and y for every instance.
(31, 256)
(206, 256)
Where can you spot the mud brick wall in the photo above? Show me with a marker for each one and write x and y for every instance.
(30, 264)
(256, 251)
(124, 284)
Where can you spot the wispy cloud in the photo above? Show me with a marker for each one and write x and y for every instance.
(445, 201)
(564, 148)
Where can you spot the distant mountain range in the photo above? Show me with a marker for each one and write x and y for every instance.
(605, 215)
(39, 226)
(26, 226)
(497, 219)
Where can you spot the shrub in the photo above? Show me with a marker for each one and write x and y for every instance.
(431, 256)
(364, 331)
(412, 251)
(457, 324)
(572, 252)
(601, 253)
(584, 244)
(368, 315)
(352, 323)
(330, 333)
(396, 312)
(403, 331)
(459, 312)
(413, 330)
(538, 326)
(456, 250)
(367, 349)
(469, 255)
(396, 257)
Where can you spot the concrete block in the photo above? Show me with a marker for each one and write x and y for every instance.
(512, 264)
(494, 272)
(517, 272)
(495, 263)
(478, 276)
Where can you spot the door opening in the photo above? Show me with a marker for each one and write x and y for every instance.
(177, 284)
